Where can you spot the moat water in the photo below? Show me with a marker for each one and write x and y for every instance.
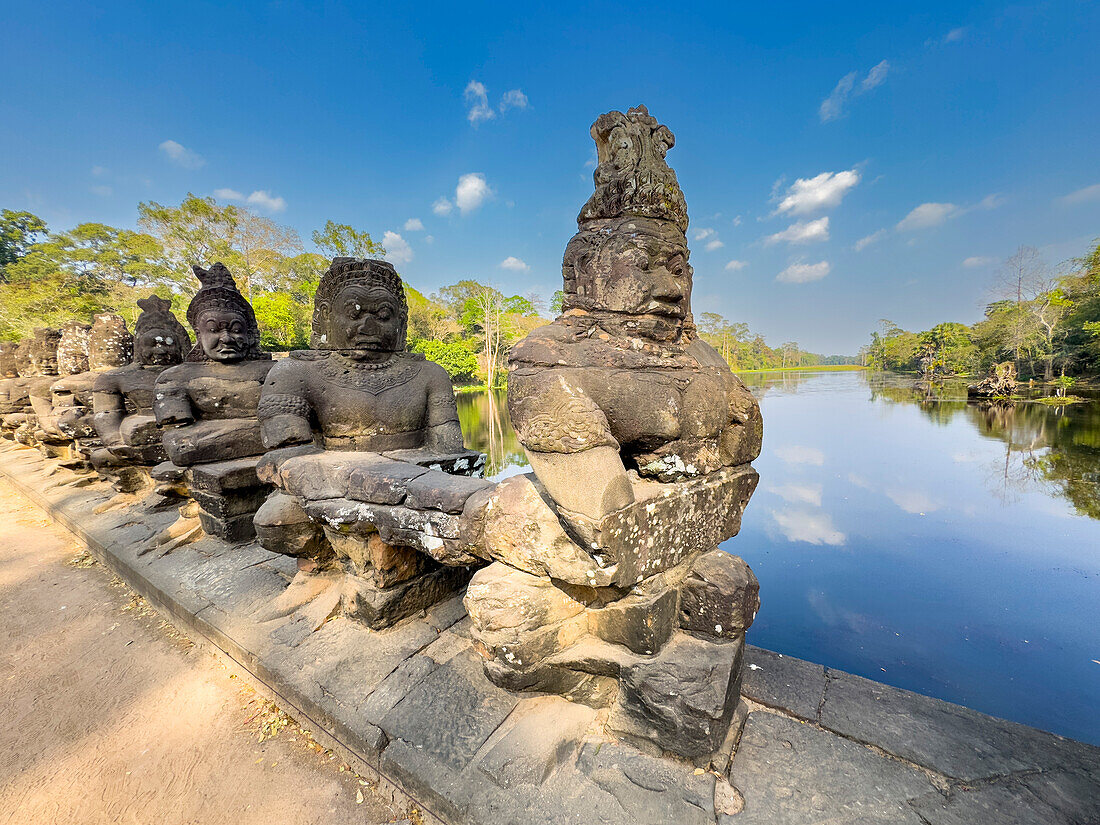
(919, 541)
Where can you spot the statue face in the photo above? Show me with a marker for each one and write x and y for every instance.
(157, 347)
(223, 335)
(366, 319)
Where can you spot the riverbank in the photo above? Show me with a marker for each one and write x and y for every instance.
(411, 706)
(816, 368)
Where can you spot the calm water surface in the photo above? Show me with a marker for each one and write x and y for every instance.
(921, 542)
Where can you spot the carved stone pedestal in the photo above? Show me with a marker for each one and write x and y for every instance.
(228, 494)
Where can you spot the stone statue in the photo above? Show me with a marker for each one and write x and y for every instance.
(65, 417)
(13, 359)
(608, 586)
(365, 440)
(35, 376)
(123, 397)
(207, 407)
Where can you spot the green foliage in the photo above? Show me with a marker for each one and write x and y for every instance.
(455, 357)
(338, 240)
(18, 232)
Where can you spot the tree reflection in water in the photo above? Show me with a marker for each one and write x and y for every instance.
(486, 427)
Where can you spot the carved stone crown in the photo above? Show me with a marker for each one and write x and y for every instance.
(344, 272)
(72, 350)
(632, 177)
(219, 292)
(156, 313)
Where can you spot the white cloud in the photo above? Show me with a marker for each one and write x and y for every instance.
(976, 261)
(515, 264)
(99, 171)
(737, 220)
(1089, 193)
(713, 245)
(803, 273)
(398, 250)
(809, 527)
(266, 201)
(799, 493)
(991, 201)
(802, 232)
(927, 215)
(875, 77)
(429, 239)
(181, 155)
(414, 225)
(102, 190)
(471, 192)
(228, 195)
(513, 99)
(955, 35)
(699, 234)
(822, 191)
(832, 107)
(913, 501)
(734, 266)
(477, 98)
(443, 207)
(797, 454)
(867, 240)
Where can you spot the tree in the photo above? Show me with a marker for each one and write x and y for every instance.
(18, 232)
(198, 231)
(455, 357)
(1020, 278)
(338, 240)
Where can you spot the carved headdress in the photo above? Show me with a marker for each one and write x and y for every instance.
(632, 178)
(156, 315)
(72, 350)
(110, 343)
(219, 292)
(344, 272)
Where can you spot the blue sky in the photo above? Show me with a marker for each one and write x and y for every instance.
(896, 153)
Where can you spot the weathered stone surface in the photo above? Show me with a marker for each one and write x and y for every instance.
(396, 687)
(451, 712)
(167, 471)
(794, 685)
(950, 739)
(519, 620)
(682, 699)
(224, 476)
(720, 596)
(232, 528)
(232, 503)
(212, 439)
(382, 482)
(1061, 797)
(325, 475)
(392, 564)
(793, 773)
(282, 526)
(440, 491)
(378, 607)
(643, 620)
(540, 735)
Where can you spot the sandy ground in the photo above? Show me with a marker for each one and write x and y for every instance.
(107, 715)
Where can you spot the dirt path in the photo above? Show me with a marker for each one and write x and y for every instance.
(107, 715)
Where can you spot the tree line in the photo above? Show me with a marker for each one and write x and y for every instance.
(1045, 321)
(49, 277)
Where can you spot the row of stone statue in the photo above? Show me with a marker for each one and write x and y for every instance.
(595, 576)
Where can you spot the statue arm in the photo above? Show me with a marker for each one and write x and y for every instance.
(109, 408)
(444, 433)
(569, 443)
(284, 408)
(171, 403)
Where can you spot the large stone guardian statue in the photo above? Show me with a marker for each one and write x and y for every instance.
(367, 453)
(36, 373)
(207, 407)
(608, 586)
(123, 398)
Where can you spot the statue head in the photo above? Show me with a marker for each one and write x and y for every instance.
(110, 343)
(629, 260)
(9, 359)
(72, 351)
(23, 359)
(224, 323)
(43, 351)
(159, 338)
(360, 309)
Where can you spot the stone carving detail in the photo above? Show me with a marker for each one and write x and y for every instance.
(123, 398)
(207, 407)
(606, 585)
(36, 375)
(365, 446)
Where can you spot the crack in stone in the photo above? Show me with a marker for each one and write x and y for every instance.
(824, 693)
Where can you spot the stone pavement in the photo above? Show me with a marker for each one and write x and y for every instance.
(412, 704)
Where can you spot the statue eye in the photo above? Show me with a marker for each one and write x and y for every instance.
(169, 341)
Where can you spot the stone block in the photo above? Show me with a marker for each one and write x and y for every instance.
(642, 621)
(282, 526)
(222, 476)
(232, 502)
(396, 687)
(377, 608)
(450, 713)
(683, 699)
(382, 483)
(213, 440)
(393, 564)
(267, 468)
(167, 471)
(465, 463)
(720, 596)
(233, 529)
(440, 491)
(788, 771)
(792, 685)
(324, 475)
